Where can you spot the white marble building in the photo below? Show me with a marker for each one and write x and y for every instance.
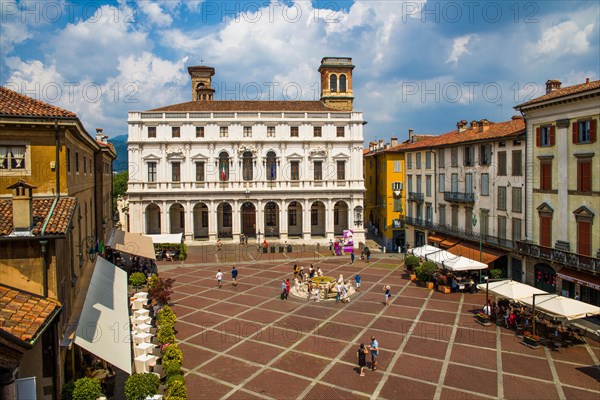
(219, 169)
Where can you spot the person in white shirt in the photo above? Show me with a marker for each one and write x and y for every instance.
(219, 278)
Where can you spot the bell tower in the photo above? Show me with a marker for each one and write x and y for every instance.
(201, 83)
(336, 82)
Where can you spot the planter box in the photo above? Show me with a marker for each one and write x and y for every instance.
(483, 319)
(530, 342)
(444, 289)
(429, 285)
(413, 277)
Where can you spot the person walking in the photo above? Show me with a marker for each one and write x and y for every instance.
(352, 257)
(309, 290)
(219, 277)
(287, 288)
(234, 274)
(388, 294)
(316, 292)
(362, 358)
(374, 349)
(311, 272)
(368, 256)
(357, 280)
(338, 289)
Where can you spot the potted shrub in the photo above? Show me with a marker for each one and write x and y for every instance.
(87, 389)
(176, 391)
(67, 390)
(166, 315)
(137, 280)
(483, 319)
(160, 289)
(166, 333)
(425, 272)
(172, 354)
(495, 273)
(531, 340)
(140, 386)
(411, 262)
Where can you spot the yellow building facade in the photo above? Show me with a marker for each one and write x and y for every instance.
(385, 194)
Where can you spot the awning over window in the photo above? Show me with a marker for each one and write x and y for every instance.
(104, 327)
(580, 278)
(471, 251)
(171, 238)
(436, 238)
(131, 243)
(449, 242)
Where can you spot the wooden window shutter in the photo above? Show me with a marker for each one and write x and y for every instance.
(552, 132)
(546, 231)
(584, 233)
(586, 178)
(593, 131)
(575, 132)
(538, 136)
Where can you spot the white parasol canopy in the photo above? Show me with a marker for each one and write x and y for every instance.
(565, 307)
(511, 289)
(424, 250)
(440, 257)
(463, 264)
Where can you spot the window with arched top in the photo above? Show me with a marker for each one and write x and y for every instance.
(247, 170)
(223, 166)
(343, 83)
(333, 83)
(271, 166)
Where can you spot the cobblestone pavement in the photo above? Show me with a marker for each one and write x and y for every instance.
(245, 343)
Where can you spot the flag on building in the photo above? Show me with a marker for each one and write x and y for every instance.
(272, 170)
(223, 175)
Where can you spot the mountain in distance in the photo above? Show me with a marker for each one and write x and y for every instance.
(120, 144)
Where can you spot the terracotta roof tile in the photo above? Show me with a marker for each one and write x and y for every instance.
(13, 103)
(23, 313)
(514, 127)
(566, 91)
(58, 222)
(248, 105)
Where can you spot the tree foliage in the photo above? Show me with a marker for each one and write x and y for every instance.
(119, 185)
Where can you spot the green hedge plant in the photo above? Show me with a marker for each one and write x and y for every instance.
(411, 262)
(176, 391)
(137, 280)
(87, 389)
(172, 354)
(67, 390)
(140, 386)
(426, 270)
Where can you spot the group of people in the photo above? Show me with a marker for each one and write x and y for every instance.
(466, 283)
(234, 275)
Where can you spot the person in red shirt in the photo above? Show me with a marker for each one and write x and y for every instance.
(287, 288)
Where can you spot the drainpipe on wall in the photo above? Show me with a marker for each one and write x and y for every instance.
(57, 156)
(43, 243)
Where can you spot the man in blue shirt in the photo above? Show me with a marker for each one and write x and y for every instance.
(357, 279)
(234, 274)
(374, 348)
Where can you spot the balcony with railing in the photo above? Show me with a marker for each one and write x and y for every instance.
(417, 197)
(502, 243)
(459, 197)
(560, 256)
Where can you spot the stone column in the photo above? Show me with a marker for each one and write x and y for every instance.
(189, 221)
(260, 220)
(283, 221)
(306, 220)
(236, 221)
(165, 224)
(329, 221)
(212, 220)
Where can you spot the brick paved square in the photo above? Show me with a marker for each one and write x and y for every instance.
(453, 394)
(477, 357)
(321, 345)
(278, 385)
(346, 375)
(442, 305)
(332, 392)
(215, 340)
(421, 368)
(279, 336)
(204, 319)
(526, 366)
(256, 352)
(472, 379)
(399, 311)
(203, 388)
(388, 341)
(301, 363)
(582, 376)
(404, 388)
(231, 310)
(517, 388)
(228, 369)
(184, 330)
(260, 315)
(575, 393)
(426, 347)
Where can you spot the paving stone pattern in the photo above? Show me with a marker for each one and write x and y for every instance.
(245, 343)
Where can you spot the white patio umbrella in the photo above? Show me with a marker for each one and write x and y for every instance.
(424, 250)
(440, 257)
(559, 306)
(463, 264)
(510, 289)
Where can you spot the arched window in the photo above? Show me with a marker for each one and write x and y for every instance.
(342, 83)
(271, 166)
(223, 166)
(247, 171)
(333, 83)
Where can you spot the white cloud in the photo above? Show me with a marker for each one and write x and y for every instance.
(459, 48)
(565, 38)
(155, 13)
(12, 31)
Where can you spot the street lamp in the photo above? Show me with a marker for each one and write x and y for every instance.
(480, 239)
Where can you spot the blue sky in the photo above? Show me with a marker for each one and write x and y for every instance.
(419, 64)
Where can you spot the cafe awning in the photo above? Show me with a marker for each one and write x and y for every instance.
(436, 238)
(104, 327)
(471, 251)
(580, 278)
(510, 289)
(131, 243)
(170, 238)
(424, 250)
(449, 241)
(463, 264)
(559, 306)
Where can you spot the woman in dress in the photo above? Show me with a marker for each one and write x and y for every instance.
(362, 358)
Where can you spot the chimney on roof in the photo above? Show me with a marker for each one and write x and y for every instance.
(105, 139)
(552, 85)
(461, 125)
(380, 144)
(387, 145)
(99, 134)
(411, 136)
(22, 208)
(587, 80)
(474, 125)
(515, 117)
(484, 125)
(394, 142)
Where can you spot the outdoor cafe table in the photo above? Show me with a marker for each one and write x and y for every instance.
(141, 295)
(142, 337)
(143, 328)
(142, 363)
(141, 313)
(138, 304)
(142, 349)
